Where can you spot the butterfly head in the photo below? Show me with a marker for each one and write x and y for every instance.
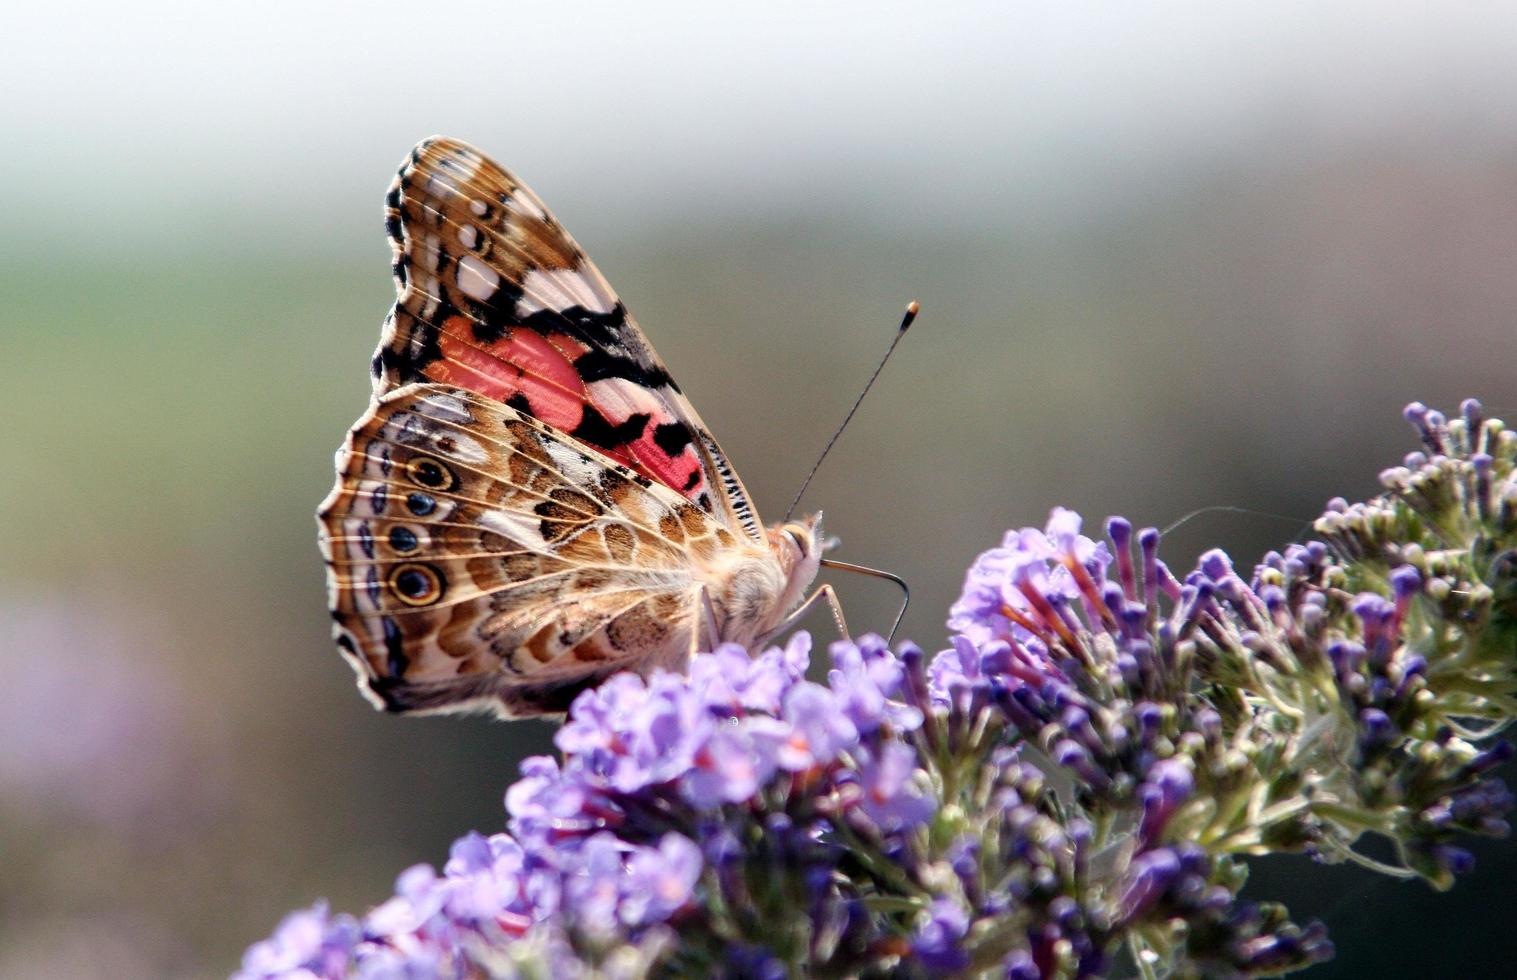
(799, 545)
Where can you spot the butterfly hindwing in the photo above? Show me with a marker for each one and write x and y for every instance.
(477, 556)
(495, 297)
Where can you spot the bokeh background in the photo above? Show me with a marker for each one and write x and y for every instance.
(1170, 256)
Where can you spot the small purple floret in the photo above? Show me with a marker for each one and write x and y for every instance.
(937, 941)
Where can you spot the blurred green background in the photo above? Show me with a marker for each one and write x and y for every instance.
(1170, 256)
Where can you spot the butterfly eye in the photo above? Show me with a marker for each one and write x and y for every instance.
(798, 540)
(416, 584)
(429, 472)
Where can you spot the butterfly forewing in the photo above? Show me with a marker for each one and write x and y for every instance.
(495, 297)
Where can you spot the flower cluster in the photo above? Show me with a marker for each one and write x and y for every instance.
(393, 943)
(712, 805)
(1328, 696)
(1069, 788)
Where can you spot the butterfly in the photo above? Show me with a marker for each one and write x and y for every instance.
(530, 504)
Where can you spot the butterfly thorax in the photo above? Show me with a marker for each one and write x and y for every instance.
(751, 595)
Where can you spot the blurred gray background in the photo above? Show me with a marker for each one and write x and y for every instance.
(1170, 256)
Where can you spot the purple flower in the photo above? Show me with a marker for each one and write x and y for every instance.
(309, 941)
(967, 666)
(418, 898)
(599, 714)
(960, 667)
(891, 797)
(1027, 591)
(662, 735)
(735, 762)
(819, 729)
(1028, 563)
(774, 672)
(938, 942)
(867, 680)
(1377, 616)
(1406, 582)
(636, 733)
(722, 677)
(593, 888)
(660, 881)
(545, 803)
(1151, 875)
(487, 882)
(1169, 785)
(1020, 965)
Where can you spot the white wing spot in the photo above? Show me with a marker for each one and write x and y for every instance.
(429, 308)
(480, 208)
(477, 280)
(431, 251)
(462, 448)
(447, 408)
(438, 187)
(620, 399)
(572, 464)
(525, 531)
(522, 204)
(466, 165)
(468, 236)
(559, 289)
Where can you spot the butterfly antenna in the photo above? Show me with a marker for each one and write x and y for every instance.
(912, 309)
(844, 566)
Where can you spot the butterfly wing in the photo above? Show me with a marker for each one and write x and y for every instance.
(495, 297)
(479, 558)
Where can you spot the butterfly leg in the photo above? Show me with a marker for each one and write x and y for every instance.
(712, 639)
(826, 593)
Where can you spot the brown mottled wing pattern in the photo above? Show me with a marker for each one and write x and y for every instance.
(493, 295)
(479, 558)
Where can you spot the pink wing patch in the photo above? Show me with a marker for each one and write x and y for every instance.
(535, 373)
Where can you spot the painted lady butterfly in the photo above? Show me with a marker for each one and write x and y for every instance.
(530, 504)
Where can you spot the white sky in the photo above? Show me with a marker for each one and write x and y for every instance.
(915, 114)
